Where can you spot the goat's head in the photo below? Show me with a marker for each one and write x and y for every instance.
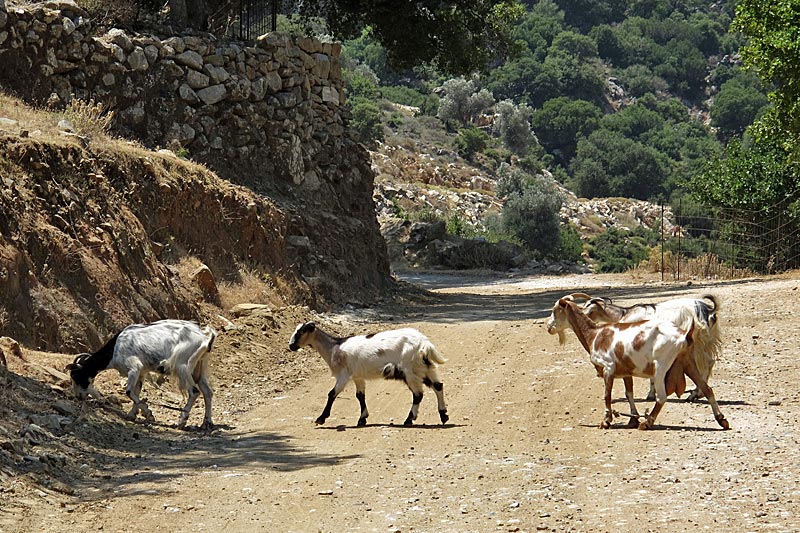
(601, 310)
(301, 336)
(82, 378)
(559, 321)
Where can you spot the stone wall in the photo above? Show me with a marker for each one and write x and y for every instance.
(268, 114)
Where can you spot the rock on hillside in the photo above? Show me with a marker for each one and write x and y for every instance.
(425, 186)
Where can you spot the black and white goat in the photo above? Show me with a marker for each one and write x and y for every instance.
(404, 354)
(681, 312)
(176, 347)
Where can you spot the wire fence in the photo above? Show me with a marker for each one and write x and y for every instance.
(731, 243)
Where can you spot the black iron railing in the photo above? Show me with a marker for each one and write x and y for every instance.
(246, 19)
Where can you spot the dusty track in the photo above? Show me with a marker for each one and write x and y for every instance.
(522, 451)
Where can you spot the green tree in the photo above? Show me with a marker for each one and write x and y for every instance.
(773, 50)
(459, 37)
(609, 164)
(736, 106)
(513, 124)
(561, 121)
(530, 209)
(463, 101)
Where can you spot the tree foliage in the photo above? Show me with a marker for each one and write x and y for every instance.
(773, 50)
(463, 101)
(530, 209)
(459, 37)
(513, 124)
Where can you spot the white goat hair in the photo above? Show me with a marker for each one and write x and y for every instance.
(403, 354)
(176, 347)
(652, 348)
(682, 312)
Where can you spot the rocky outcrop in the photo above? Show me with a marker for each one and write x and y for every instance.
(267, 114)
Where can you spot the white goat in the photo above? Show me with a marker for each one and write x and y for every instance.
(404, 354)
(175, 347)
(681, 312)
(652, 348)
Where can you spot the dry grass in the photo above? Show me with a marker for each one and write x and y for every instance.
(92, 119)
(706, 266)
(254, 287)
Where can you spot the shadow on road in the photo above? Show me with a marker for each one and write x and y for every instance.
(531, 302)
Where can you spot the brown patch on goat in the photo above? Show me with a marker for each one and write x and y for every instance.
(624, 364)
(675, 380)
(603, 340)
(650, 369)
(639, 341)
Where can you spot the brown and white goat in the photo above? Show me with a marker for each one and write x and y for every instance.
(681, 312)
(649, 349)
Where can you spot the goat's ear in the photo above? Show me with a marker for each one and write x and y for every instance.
(562, 302)
(311, 326)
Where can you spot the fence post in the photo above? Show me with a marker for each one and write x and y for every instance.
(678, 221)
(662, 241)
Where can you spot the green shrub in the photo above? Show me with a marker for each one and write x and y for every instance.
(471, 141)
(619, 250)
(366, 121)
(570, 245)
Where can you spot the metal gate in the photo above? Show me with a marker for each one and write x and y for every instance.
(246, 19)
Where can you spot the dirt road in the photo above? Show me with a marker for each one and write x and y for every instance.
(522, 451)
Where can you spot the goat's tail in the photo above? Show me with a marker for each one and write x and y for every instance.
(430, 354)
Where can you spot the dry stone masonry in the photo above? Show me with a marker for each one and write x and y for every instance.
(268, 114)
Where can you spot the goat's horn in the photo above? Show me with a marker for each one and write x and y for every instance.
(580, 295)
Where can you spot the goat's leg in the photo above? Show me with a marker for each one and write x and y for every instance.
(133, 390)
(704, 367)
(205, 389)
(661, 394)
(691, 370)
(341, 381)
(609, 381)
(634, 420)
(361, 387)
(432, 380)
(651, 395)
(416, 400)
(194, 392)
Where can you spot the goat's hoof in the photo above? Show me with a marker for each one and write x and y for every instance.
(408, 422)
(646, 423)
(605, 424)
(207, 425)
(723, 422)
(361, 422)
(633, 422)
(443, 417)
(319, 421)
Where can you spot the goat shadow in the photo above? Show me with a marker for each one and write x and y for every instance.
(657, 427)
(345, 427)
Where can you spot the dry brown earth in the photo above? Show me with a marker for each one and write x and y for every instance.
(522, 451)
